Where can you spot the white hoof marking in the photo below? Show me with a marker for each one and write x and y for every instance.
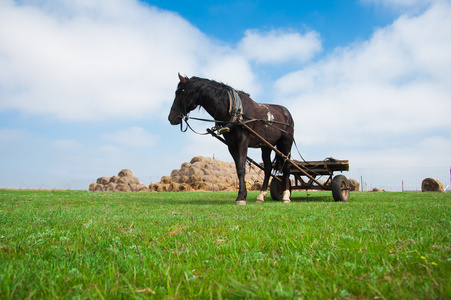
(286, 196)
(261, 197)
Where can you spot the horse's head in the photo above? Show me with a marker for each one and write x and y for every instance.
(183, 102)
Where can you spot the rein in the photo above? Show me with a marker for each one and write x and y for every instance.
(249, 120)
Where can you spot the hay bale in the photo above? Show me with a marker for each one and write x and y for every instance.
(153, 187)
(92, 187)
(184, 187)
(123, 187)
(197, 159)
(99, 188)
(175, 172)
(115, 179)
(132, 179)
(111, 187)
(257, 186)
(174, 187)
(103, 180)
(354, 185)
(133, 187)
(165, 180)
(432, 185)
(125, 173)
(163, 188)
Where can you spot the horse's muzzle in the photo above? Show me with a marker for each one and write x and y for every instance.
(174, 119)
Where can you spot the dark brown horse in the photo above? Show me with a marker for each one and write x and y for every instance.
(273, 122)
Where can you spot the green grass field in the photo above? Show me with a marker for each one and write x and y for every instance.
(80, 245)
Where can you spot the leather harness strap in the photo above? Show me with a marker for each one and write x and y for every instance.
(235, 105)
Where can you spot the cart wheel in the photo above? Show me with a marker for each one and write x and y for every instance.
(276, 189)
(340, 188)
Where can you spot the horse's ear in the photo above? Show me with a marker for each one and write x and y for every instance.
(182, 79)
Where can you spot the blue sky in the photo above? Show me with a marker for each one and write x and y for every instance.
(86, 87)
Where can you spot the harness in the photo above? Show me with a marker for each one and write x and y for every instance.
(235, 111)
(235, 106)
(237, 117)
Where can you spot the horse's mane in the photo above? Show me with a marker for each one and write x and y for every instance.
(205, 89)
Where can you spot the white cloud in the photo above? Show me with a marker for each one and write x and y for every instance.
(83, 60)
(278, 46)
(395, 84)
(71, 144)
(132, 137)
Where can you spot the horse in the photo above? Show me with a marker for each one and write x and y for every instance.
(272, 122)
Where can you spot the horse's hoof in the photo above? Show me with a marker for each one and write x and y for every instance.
(261, 197)
(240, 202)
(286, 196)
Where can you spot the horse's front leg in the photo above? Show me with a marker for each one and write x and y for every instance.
(266, 156)
(239, 154)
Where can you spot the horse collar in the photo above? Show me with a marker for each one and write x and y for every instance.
(235, 105)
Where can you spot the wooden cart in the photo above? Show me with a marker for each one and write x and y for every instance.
(307, 174)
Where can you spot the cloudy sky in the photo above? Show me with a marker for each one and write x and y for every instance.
(86, 86)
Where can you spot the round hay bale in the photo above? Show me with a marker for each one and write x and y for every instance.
(432, 185)
(197, 159)
(123, 187)
(175, 172)
(125, 173)
(111, 187)
(257, 186)
(185, 165)
(103, 180)
(121, 180)
(199, 165)
(208, 179)
(163, 188)
(165, 180)
(99, 188)
(133, 187)
(184, 187)
(132, 179)
(174, 187)
(92, 187)
(194, 171)
(114, 179)
(154, 187)
(193, 179)
(143, 188)
(183, 179)
(354, 185)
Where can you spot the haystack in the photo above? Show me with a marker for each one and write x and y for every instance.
(432, 185)
(125, 181)
(354, 185)
(207, 174)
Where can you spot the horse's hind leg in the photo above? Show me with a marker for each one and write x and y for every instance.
(266, 156)
(285, 148)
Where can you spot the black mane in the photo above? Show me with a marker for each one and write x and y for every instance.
(204, 90)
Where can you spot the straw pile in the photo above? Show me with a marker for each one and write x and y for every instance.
(354, 185)
(432, 185)
(123, 182)
(206, 174)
